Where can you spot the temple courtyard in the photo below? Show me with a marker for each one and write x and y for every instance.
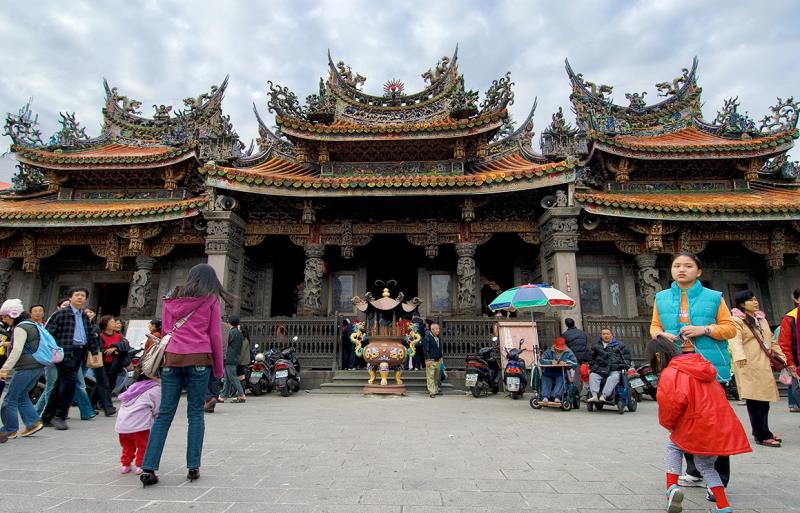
(320, 453)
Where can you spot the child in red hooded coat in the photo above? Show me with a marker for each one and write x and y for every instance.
(693, 407)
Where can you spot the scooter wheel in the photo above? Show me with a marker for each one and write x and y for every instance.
(621, 406)
(257, 389)
(566, 405)
(495, 389)
(515, 395)
(476, 391)
(653, 395)
(534, 402)
(590, 406)
(285, 390)
(633, 404)
(599, 406)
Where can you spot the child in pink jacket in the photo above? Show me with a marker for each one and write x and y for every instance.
(135, 418)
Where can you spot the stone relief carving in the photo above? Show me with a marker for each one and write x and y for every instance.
(5, 276)
(141, 291)
(314, 270)
(467, 277)
(649, 283)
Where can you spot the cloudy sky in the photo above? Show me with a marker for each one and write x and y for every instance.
(160, 52)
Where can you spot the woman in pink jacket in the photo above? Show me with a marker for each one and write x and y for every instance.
(192, 315)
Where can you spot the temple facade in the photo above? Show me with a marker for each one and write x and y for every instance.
(433, 193)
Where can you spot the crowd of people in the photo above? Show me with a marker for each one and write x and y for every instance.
(698, 344)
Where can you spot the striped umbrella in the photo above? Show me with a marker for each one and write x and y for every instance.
(539, 297)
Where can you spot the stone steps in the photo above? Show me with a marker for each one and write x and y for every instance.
(352, 382)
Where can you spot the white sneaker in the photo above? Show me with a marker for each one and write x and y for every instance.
(592, 399)
(674, 499)
(691, 481)
(603, 398)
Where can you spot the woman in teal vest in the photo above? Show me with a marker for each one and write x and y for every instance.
(697, 320)
(694, 317)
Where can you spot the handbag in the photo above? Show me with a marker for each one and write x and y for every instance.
(94, 360)
(153, 359)
(775, 362)
(785, 377)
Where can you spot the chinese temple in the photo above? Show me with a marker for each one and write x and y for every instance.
(436, 190)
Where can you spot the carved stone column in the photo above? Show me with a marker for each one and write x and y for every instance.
(467, 279)
(314, 270)
(6, 264)
(649, 283)
(140, 294)
(225, 250)
(559, 239)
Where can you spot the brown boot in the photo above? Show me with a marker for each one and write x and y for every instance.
(210, 404)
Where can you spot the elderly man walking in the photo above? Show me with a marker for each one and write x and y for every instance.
(432, 347)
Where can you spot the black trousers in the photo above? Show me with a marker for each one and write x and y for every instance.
(759, 419)
(64, 390)
(102, 389)
(722, 466)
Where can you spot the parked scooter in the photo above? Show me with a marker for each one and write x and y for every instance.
(636, 383)
(260, 379)
(483, 371)
(516, 376)
(650, 380)
(287, 371)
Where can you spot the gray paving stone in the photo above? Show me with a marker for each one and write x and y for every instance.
(333, 454)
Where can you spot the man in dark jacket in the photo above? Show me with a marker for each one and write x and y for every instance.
(70, 327)
(608, 358)
(232, 356)
(432, 347)
(576, 341)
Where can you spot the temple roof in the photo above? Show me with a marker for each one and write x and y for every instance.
(674, 128)
(760, 202)
(49, 211)
(104, 155)
(278, 176)
(341, 110)
(692, 141)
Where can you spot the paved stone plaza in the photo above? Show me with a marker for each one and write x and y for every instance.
(337, 453)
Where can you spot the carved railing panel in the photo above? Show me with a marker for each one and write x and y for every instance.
(316, 338)
(634, 333)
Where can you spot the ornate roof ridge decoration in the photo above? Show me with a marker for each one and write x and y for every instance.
(596, 111)
(520, 141)
(105, 152)
(343, 81)
(22, 127)
(269, 145)
(201, 123)
(340, 104)
(780, 168)
(560, 139)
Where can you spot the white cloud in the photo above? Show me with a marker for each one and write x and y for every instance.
(161, 52)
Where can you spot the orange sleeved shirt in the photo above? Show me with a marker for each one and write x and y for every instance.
(722, 330)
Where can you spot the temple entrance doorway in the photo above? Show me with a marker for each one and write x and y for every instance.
(497, 260)
(287, 277)
(111, 297)
(392, 257)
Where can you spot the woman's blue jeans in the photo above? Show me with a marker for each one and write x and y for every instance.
(17, 403)
(50, 378)
(173, 379)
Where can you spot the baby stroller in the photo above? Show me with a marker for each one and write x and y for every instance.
(623, 396)
(569, 396)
